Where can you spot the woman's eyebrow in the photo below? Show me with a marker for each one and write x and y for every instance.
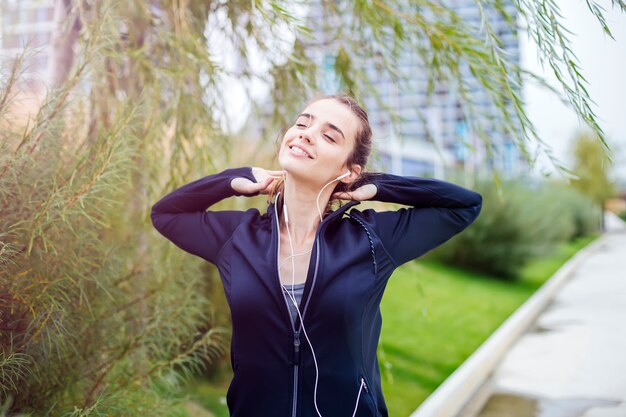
(330, 125)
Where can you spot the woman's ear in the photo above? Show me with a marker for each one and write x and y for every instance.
(355, 172)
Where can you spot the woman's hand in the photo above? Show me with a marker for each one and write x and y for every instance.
(364, 192)
(264, 179)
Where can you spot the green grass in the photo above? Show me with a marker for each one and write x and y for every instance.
(434, 318)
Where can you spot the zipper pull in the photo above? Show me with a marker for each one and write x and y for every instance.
(296, 344)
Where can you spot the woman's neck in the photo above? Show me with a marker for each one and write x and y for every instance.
(304, 217)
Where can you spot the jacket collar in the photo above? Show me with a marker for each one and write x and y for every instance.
(329, 217)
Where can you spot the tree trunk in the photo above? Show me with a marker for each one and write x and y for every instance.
(62, 41)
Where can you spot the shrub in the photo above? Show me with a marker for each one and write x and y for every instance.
(584, 214)
(528, 220)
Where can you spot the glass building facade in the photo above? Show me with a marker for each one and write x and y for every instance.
(433, 134)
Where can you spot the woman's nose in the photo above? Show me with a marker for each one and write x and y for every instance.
(305, 137)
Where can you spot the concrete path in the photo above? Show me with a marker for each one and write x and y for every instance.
(572, 362)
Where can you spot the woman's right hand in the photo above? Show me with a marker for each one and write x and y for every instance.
(263, 185)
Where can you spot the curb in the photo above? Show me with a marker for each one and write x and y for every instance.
(455, 392)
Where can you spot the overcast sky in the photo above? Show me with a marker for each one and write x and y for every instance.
(603, 63)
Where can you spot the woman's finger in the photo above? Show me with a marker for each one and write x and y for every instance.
(261, 173)
(265, 186)
(273, 173)
(343, 195)
(362, 193)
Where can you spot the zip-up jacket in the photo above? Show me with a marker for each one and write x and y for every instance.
(353, 256)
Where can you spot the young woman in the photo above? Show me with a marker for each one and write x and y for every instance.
(304, 282)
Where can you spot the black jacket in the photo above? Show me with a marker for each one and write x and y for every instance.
(354, 254)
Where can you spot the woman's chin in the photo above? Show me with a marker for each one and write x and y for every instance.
(295, 166)
(298, 172)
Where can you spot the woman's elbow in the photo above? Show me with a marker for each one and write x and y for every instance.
(475, 208)
(469, 213)
(478, 203)
(157, 217)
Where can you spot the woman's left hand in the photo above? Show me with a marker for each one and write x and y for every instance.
(364, 192)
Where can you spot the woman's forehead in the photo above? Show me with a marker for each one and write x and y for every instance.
(334, 112)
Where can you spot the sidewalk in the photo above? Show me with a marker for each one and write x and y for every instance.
(572, 362)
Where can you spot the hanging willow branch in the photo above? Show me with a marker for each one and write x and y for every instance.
(98, 312)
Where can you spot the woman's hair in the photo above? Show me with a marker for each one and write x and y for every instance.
(359, 155)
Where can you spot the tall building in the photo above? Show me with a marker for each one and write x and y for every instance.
(22, 22)
(432, 135)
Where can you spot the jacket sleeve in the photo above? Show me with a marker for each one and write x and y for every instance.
(439, 210)
(182, 217)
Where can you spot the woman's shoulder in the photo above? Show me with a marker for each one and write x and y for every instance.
(371, 218)
(358, 218)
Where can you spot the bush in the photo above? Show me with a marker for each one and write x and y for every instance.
(579, 207)
(527, 221)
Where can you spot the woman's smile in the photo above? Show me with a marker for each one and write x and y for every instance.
(300, 152)
(323, 133)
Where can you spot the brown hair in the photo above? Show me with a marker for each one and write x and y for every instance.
(359, 155)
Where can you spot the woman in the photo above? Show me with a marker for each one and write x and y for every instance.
(304, 282)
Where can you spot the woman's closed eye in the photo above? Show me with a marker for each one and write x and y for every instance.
(330, 138)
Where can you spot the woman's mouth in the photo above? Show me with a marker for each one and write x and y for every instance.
(299, 151)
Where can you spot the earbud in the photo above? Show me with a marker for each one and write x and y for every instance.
(343, 175)
(286, 215)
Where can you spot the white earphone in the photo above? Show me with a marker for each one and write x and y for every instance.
(343, 175)
(318, 196)
(294, 301)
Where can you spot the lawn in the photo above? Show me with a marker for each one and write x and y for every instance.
(434, 318)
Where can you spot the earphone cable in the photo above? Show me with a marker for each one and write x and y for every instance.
(297, 254)
(356, 405)
(295, 303)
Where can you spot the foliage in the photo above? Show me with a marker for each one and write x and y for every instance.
(529, 220)
(592, 166)
(96, 310)
(576, 207)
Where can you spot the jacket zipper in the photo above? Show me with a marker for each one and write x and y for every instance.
(363, 387)
(296, 333)
(367, 390)
(296, 360)
(367, 394)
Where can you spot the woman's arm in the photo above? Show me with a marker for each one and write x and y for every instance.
(439, 211)
(182, 218)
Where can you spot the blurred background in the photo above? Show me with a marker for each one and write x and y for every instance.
(106, 106)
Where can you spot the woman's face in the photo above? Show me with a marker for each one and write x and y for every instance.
(319, 142)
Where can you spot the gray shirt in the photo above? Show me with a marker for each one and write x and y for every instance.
(298, 289)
